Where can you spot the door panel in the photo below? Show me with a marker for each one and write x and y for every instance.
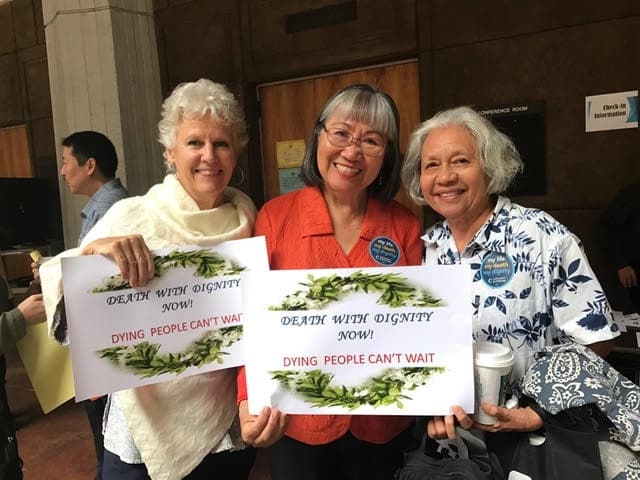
(288, 111)
(15, 159)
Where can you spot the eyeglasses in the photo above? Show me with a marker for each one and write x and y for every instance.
(372, 146)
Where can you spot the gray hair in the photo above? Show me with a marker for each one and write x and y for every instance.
(499, 159)
(195, 100)
(361, 103)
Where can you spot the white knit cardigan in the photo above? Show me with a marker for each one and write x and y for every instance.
(174, 424)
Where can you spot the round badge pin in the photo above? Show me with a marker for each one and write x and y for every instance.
(384, 251)
(496, 269)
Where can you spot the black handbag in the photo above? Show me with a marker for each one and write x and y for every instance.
(421, 464)
(568, 446)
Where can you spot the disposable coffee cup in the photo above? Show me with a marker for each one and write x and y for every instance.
(493, 363)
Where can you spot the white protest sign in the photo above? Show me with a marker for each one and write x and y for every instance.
(393, 340)
(187, 320)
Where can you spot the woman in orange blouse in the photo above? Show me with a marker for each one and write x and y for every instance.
(351, 171)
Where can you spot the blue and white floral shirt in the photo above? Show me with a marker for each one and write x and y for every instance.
(532, 283)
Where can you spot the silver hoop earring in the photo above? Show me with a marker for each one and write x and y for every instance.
(237, 182)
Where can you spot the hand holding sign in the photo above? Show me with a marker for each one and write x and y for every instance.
(264, 429)
(131, 254)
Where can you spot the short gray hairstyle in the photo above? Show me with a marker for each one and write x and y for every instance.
(361, 103)
(195, 100)
(499, 158)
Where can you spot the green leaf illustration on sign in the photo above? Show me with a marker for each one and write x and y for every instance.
(146, 360)
(206, 264)
(395, 291)
(314, 386)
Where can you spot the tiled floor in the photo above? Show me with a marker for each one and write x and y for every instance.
(57, 446)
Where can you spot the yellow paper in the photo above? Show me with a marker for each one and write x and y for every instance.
(48, 366)
(290, 153)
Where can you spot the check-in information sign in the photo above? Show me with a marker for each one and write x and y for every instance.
(611, 111)
(393, 340)
(187, 320)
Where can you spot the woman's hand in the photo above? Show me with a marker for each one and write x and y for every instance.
(131, 254)
(507, 420)
(440, 428)
(523, 419)
(262, 430)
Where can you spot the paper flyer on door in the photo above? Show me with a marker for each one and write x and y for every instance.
(392, 340)
(187, 320)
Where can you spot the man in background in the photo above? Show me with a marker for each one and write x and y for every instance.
(89, 163)
(619, 234)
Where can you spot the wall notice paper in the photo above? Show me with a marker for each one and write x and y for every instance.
(612, 111)
(48, 366)
(290, 153)
(289, 180)
(188, 320)
(394, 340)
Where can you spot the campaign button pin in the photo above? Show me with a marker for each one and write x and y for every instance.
(496, 269)
(384, 251)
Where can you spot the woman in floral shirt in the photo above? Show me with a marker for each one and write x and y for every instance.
(532, 283)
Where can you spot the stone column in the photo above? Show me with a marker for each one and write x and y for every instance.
(104, 76)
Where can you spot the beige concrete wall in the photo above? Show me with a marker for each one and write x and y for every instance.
(104, 76)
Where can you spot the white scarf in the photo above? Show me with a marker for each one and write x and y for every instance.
(177, 423)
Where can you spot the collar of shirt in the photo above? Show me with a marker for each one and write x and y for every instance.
(491, 236)
(317, 221)
(103, 194)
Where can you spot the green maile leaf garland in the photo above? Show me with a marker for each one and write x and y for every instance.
(146, 360)
(314, 386)
(206, 263)
(394, 289)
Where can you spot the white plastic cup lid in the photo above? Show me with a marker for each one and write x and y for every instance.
(494, 355)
